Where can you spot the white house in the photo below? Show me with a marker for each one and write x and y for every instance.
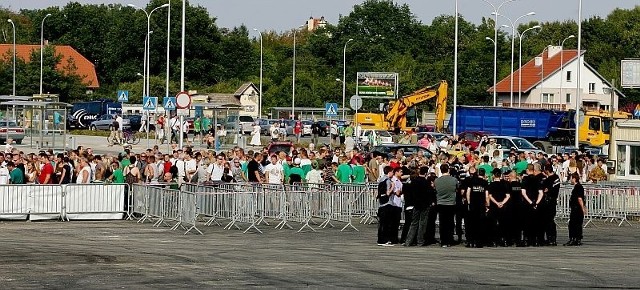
(549, 81)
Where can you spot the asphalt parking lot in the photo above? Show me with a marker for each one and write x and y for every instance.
(123, 254)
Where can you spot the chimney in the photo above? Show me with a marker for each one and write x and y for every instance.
(538, 61)
(553, 50)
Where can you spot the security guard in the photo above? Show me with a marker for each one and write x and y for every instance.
(478, 199)
(515, 210)
(532, 194)
(499, 195)
(551, 188)
(578, 211)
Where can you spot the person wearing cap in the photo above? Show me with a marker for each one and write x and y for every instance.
(296, 174)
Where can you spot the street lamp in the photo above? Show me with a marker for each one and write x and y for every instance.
(344, 77)
(455, 77)
(578, 99)
(513, 35)
(293, 95)
(261, 55)
(42, 49)
(562, 62)
(520, 63)
(14, 55)
(496, 11)
(490, 39)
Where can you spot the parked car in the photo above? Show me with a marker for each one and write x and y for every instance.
(306, 127)
(407, 149)
(10, 129)
(135, 121)
(521, 145)
(245, 123)
(265, 126)
(382, 135)
(280, 146)
(104, 123)
(472, 138)
(324, 128)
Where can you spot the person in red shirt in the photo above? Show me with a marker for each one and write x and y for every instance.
(298, 130)
(46, 173)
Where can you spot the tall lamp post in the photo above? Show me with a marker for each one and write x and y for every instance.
(293, 95)
(513, 36)
(578, 97)
(520, 63)
(42, 49)
(261, 56)
(455, 77)
(344, 77)
(496, 11)
(14, 55)
(562, 62)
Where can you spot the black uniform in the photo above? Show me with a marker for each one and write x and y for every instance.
(516, 208)
(551, 187)
(423, 197)
(409, 192)
(498, 218)
(576, 217)
(476, 234)
(532, 184)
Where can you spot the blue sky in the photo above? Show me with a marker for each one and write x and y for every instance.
(282, 15)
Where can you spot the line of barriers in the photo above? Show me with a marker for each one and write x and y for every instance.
(63, 202)
(614, 202)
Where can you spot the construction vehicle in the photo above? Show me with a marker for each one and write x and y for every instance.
(546, 129)
(396, 116)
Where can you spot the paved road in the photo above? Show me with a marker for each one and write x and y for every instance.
(121, 254)
(100, 145)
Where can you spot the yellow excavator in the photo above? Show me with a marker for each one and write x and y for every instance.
(396, 116)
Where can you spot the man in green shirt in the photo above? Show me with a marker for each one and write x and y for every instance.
(359, 173)
(487, 167)
(197, 127)
(15, 174)
(296, 174)
(117, 176)
(521, 165)
(344, 171)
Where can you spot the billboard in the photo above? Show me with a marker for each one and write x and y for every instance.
(377, 85)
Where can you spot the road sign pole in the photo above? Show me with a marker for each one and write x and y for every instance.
(180, 142)
(147, 128)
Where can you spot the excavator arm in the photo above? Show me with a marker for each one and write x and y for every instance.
(397, 114)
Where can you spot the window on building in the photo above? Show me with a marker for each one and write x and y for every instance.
(547, 98)
(568, 98)
(592, 88)
(628, 160)
(568, 76)
(634, 160)
(622, 157)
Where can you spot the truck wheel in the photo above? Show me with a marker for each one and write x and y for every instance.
(19, 141)
(544, 146)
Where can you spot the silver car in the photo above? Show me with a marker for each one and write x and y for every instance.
(12, 131)
(105, 122)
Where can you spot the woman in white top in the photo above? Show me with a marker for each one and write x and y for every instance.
(84, 175)
(255, 135)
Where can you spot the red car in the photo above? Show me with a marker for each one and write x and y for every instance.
(472, 138)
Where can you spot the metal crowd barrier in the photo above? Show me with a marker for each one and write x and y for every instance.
(606, 202)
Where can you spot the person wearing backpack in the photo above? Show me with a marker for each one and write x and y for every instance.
(385, 211)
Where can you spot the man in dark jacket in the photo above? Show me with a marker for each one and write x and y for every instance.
(424, 199)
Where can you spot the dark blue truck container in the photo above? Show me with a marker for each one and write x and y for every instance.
(84, 113)
(535, 125)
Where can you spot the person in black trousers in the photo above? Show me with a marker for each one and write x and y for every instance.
(578, 211)
(446, 187)
(551, 186)
(515, 210)
(478, 199)
(532, 194)
(409, 193)
(424, 197)
(385, 217)
(499, 195)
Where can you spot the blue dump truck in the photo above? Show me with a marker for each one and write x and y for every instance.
(543, 127)
(84, 113)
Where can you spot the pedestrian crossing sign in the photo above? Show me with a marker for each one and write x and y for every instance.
(149, 103)
(169, 103)
(331, 109)
(123, 96)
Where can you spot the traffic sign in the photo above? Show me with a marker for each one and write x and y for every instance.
(331, 109)
(183, 100)
(123, 96)
(636, 113)
(355, 102)
(149, 103)
(169, 103)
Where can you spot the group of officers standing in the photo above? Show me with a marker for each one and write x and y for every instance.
(496, 208)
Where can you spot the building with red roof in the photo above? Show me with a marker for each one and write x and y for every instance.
(549, 81)
(83, 67)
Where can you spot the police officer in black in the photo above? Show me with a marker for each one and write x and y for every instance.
(515, 211)
(478, 199)
(532, 194)
(551, 186)
(578, 211)
(499, 195)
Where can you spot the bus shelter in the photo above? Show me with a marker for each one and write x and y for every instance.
(225, 116)
(44, 123)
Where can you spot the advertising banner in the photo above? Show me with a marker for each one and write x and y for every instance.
(382, 85)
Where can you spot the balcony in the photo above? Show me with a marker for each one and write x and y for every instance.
(559, 107)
